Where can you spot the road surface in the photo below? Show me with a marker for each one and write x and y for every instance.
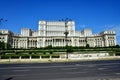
(85, 70)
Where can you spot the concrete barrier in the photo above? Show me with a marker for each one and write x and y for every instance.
(62, 58)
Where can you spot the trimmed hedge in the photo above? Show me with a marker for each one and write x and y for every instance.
(45, 56)
(35, 56)
(15, 56)
(55, 56)
(4, 57)
(25, 56)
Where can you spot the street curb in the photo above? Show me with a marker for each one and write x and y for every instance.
(55, 61)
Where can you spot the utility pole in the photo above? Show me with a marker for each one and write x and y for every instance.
(66, 34)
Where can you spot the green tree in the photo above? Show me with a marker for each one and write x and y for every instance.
(117, 46)
(5, 45)
(69, 48)
(87, 45)
(8, 46)
(2, 45)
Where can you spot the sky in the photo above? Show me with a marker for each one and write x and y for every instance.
(99, 15)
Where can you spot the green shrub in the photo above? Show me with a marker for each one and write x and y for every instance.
(25, 56)
(51, 52)
(15, 56)
(35, 56)
(87, 45)
(55, 56)
(111, 54)
(44, 52)
(45, 56)
(117, 54)
(69, 48)
(5, 57)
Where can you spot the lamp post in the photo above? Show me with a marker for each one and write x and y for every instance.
(66, 34)
(2, 20)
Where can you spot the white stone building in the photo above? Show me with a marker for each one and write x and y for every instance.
(52, 33)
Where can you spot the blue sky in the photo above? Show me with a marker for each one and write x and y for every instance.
(98, 15)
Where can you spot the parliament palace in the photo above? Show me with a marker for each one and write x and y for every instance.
(52, 33)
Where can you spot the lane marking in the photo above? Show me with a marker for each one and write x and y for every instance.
(117, 73)
(77, 64)
(76, 72)
(110, 66)
(91, 66)
(21, 70)
(102, 68)
(69, 68)
(14, 75)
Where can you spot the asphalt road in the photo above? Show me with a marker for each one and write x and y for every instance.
(86, 70)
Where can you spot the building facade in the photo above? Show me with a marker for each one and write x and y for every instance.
(52, 33)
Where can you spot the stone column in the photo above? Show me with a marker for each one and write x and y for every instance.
(20, 58)
(9, 59)
(50, 57)
(55, 42)
(30, 58)
(60, 57)
(102, 43)
(60, 42)
(72, 40)
(32, 42)
(63, 42)
(40, 57)
(106, 40)
(43, 39)
(52, 41)
(115, 40)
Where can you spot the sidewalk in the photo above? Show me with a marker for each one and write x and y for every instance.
(6, 61)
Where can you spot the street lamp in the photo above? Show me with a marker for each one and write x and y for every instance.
(2, 20)
(66, 33)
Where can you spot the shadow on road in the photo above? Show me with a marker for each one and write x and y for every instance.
(10, 78)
